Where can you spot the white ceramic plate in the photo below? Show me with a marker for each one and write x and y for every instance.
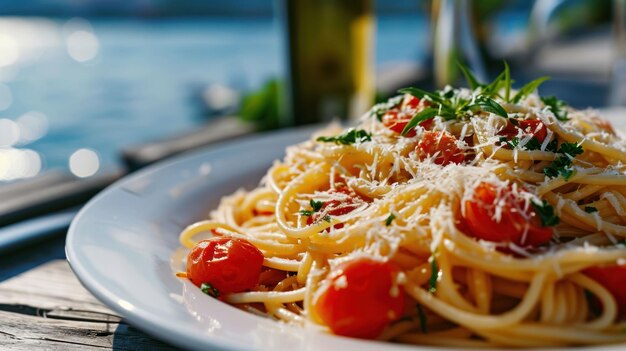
(123, 246)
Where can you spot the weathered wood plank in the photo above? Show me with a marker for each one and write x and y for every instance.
(47, 308)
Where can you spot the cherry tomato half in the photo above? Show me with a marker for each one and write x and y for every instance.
(513, 226)
(396, 119)
(528, 126)
(441, 143)
(230, 265)
(613, 278)
(360, 298)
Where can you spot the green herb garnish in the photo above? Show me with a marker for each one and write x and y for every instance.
(590, 209)
(558, 107)
(419, 117)
(351, 136)
(389, 219)
(434, 275)
(528, 89)
(210, 290)
(562, 164)
(327, 218)
(423, 319)
(546, 213)
(306, 212)
(316, 205)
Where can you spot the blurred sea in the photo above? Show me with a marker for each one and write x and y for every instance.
(104, 84)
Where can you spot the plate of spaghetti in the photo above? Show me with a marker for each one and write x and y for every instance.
(479, 217)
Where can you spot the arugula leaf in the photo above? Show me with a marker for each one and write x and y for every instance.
(419, 93)
(423, 319)
(434, 275)
(590, 209)
(558, 107)
(306, 212)
(546, 213)
(419, 117)
(316, 205)
(209, 290)
(528, 89)
(471, 79)
(493, 87)
(390, 219)
(327, 218)
(507, 82)
(351, 136)
(487, 104)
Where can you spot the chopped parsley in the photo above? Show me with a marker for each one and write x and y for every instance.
(351, 136)
(546, 213)
(590, 209)
(210, 290)
(561, 166)
(434, 275)
(423, 319)
(315, 205)
(558, 107)
(389, 219)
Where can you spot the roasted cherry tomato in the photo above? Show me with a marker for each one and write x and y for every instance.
(528, 126)
(523, 229)
(349, 202)
(397, 118)
(360, 298)
(230, 265)
(613, 278)
(441, 143)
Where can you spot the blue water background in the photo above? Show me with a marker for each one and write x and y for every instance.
(145, 81)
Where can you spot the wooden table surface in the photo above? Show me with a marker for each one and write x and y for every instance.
(43, 306)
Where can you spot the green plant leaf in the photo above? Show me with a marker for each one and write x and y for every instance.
(528, 89)
(471, 79)
(419, 117)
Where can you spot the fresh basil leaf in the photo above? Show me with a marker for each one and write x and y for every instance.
(419, 117)
(528, 89)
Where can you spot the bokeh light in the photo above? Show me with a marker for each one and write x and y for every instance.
(32, 126)
(82, 45)
(18, 163)
(6, 97)
(84, 163)
(10, 50)
(9, 132)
